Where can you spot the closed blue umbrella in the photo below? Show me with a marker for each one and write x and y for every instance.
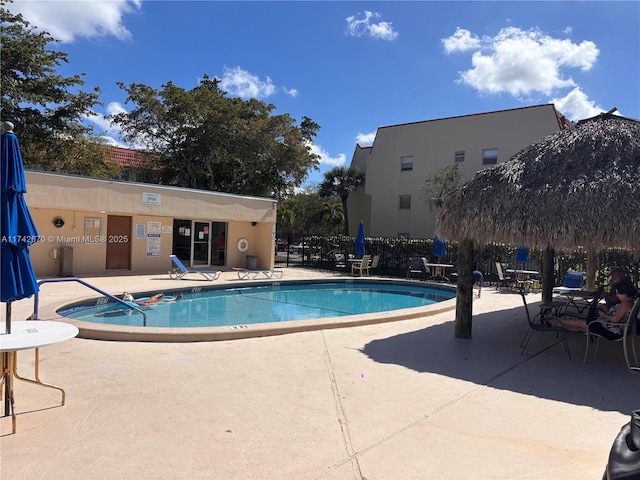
(522, 255)
(360, 241)
(438, 248)
(17, 229)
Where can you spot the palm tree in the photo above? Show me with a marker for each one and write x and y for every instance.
(286, 217)
(332, 215)
(340, 182)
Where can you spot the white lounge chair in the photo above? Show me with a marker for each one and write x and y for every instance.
(179, 271)
(245, 273)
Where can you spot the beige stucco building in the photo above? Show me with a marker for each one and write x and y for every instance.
(401, 158)
(114, 226)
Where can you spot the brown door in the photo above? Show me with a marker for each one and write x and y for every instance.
(118, 243)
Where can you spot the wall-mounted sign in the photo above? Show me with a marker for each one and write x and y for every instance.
(153, 245)
(154, 227)
(150, 198)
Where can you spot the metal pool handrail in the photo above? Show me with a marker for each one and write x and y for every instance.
(101, 292)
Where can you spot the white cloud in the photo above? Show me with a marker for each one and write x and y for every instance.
(365, 139)
(461, 41)
(100, 120)
(290, 91)
(576, 105)
(521, 62)
(110, 131)
(66, 20)
(325, 158)
(361, 24)
(240, 83)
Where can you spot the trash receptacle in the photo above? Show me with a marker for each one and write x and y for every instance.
(252, 262)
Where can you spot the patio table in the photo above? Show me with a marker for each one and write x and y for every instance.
(26, 335)
(523, 272)
(581, 300)
(523, 275)
(439, 270)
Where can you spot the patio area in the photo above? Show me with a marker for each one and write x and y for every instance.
(392, 400)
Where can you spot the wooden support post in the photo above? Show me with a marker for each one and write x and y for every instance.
(547, 275)
(464, 298)
(592, 259)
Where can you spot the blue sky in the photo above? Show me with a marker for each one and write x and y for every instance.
(355, 66)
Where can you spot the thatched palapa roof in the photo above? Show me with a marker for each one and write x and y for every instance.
(574, 188)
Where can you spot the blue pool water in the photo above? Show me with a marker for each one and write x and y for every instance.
(263, 304)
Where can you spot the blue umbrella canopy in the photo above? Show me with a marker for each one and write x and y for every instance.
(17, 229)
(522, 255)
(438, 248)
(360, 241)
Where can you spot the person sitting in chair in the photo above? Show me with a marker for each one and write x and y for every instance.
(605, 324)
(158, 298)
(618, 276)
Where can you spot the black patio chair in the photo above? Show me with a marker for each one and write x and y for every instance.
(538, 324)
(340, 262)
(505, 281)
(417, 266)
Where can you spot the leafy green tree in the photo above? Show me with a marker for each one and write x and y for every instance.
(340, 182)
(209, 141)
(332, 216)
(80, 156)
(440, 182)
(307, 209)
(47, 109)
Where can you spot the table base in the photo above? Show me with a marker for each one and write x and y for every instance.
(438, 275)
(9, 371)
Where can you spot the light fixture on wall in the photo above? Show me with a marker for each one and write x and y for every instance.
(58, 222)
(253, 224)
(274, 205)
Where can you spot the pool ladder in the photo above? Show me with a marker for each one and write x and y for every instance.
(82, 282)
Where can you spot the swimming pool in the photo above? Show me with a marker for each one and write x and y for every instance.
(276, 306)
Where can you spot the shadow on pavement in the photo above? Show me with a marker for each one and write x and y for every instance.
(493, 358)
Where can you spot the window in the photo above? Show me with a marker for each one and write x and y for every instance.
(459, 156)
(407, 163)
(489, 156)
(405, 202)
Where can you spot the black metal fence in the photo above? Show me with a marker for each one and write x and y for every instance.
(318, 252)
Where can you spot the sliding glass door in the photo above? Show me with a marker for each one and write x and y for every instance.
(200, 243)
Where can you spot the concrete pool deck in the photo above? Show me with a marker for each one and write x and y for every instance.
(391, 400)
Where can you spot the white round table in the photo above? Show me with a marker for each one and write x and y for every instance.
(35, 334)
(25, 335)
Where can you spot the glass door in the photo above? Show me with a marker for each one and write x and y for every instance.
(200, 243)
(182, 240)
(201, 240)
(218, 243)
